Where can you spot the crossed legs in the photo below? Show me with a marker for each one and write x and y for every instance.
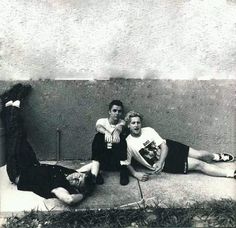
(201, 155)
(198, 161)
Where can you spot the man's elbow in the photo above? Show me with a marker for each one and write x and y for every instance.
(99, 127)
(68, 200)
(74, 199)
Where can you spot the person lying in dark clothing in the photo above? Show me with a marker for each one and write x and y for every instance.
(23, 167)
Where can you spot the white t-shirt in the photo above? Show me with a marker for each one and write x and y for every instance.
(137, 147)
(109, 127)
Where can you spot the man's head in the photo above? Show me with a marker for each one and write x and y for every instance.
(115, 111)
(134, 123)
(82, 181)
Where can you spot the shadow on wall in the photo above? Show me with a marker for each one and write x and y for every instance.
(198, 113)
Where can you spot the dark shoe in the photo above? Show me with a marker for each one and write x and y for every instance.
(124, 175)
(11, 94)
(23, 92)
(99, 179)
(94, 178)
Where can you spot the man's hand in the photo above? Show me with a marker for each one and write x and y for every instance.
(158, 166)
(141, 176)
(115, 137)
(108, 137)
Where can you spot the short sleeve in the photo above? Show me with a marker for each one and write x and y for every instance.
(129, 156)
(101, 122)
(104, 122)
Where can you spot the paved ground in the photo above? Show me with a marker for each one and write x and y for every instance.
(163, 190)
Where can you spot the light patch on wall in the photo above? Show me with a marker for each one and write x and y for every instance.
(83, 40)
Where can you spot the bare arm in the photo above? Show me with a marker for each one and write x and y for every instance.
(111, 135)
(119, 127)
(108, 135)
(67, 198)
(95, 167)
(100, 128)
(116, 133)
(138, 175)
(160, 163)
(116, 136)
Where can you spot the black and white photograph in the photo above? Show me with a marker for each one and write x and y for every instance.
(117, 113)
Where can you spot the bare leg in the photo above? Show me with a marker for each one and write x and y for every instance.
(209, 169)
(201, 155)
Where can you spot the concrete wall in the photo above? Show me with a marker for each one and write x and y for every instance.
(107, 39)
(86, 39)
(199, 113)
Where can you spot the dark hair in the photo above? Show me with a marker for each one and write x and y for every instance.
(87, 188)
(116, 102)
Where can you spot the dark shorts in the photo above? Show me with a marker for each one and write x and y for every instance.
(177, 158)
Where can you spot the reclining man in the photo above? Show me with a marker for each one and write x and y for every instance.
(157, 154)
(24, 169)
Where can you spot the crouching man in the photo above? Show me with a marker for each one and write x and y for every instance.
(109, 149)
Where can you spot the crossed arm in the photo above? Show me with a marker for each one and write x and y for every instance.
(114, 136)
(67, 198)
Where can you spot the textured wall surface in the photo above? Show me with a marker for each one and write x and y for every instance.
(199, 113)
(85, 39)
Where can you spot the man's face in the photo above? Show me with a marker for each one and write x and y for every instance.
(115, 113)
(149, 154)
(135, 126)
(76, 179)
